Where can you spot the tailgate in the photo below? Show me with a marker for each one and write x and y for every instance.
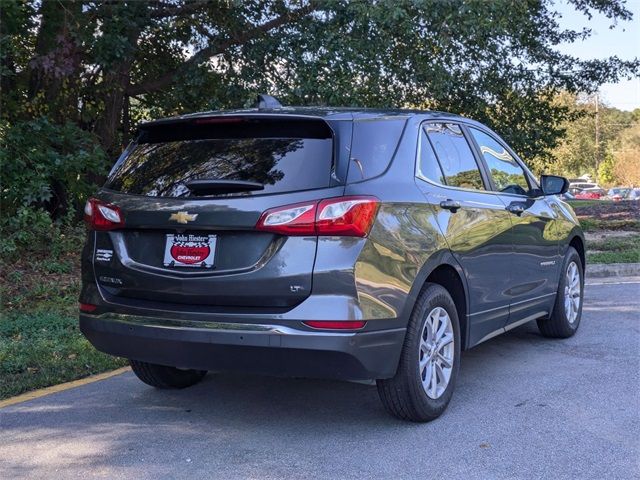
(202, 248)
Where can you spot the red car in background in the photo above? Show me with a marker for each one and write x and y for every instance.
(590, 194)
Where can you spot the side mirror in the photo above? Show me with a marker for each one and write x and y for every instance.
(553, 184)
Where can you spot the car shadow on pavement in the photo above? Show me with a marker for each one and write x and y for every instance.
(231, 400)
(509, 413)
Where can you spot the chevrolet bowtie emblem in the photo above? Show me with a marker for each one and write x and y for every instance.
(183, 217)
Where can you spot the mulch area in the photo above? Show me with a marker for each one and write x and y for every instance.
(609, 211)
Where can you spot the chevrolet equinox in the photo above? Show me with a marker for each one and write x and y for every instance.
(349, 244)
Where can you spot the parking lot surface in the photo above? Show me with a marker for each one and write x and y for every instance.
(524, 407)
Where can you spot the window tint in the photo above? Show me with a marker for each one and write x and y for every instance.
(374, 143)
(160, 169)
(455, 156)
(428, 165)
(507, 175)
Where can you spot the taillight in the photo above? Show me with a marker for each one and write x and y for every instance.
(346, 216)
(102, 216)
(87, 307)
(336, 325)
(298, 219)
(210, 120)
(341, 216)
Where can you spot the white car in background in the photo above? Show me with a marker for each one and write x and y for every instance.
(634, 194)
(583, 185)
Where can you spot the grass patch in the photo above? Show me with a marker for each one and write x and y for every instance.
(613, 257)
(40, 341)
(43, 348)
(590, 224)
(577, 204)
(614, 250)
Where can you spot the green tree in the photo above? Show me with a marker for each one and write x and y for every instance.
(103, 66)
(625, 151)
(577, 153)
(606, 172)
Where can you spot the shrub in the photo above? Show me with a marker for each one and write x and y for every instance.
(33, 230)
(47, 165)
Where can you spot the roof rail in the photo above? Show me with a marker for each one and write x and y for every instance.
(265, 102)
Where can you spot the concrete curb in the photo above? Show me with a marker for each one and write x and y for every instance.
(603, 270)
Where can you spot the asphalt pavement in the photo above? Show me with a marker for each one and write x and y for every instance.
(525, 407)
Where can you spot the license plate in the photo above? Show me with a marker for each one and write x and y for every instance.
(189, 250)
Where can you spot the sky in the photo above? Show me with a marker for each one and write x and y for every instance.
(623, 41)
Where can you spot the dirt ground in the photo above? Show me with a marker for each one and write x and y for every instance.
(608, 211)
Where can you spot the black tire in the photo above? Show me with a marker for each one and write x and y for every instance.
(160, 376)
(558, 325)
(403, 396)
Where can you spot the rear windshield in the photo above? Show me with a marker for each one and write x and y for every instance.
(161, 168)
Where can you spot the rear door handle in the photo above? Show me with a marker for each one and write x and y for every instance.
(451, 205)
(516, 208)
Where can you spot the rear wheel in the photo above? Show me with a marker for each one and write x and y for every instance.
(567, 311)
(424, 382)
(161, 376)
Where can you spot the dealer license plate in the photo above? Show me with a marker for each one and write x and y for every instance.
(189, 250)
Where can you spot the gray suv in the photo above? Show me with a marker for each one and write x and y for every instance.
(335, 243)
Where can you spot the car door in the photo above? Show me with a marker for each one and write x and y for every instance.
(535, 260)
(472, 219)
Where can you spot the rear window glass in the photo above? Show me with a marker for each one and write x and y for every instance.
(374, 143)
(161, 169)
(428, 165)
(455, 156)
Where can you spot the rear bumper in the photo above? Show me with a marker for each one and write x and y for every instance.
(246, 347)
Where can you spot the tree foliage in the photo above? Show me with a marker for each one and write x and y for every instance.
(616, 151)
(102, 66)
(47, 164)
(625, 152)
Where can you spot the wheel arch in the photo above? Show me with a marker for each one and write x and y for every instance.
(443, 269)
(448, 277)
(578, 243)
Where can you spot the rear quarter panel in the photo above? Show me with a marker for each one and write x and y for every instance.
(405, 244)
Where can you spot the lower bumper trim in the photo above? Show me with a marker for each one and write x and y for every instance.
(265, 349)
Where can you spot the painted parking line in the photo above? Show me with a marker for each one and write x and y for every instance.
(614, 283)
(59, 388)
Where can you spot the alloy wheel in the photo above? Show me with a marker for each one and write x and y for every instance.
(436, 355)
(572, 292)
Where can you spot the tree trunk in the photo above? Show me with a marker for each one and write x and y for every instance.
(53, 75)
(54, 70)
(109, 123)
(116, 82)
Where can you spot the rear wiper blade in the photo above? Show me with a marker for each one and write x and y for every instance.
(212, 187)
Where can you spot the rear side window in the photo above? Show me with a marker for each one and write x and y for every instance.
(454, 156)
(428, 165)
(161, 165)
(373, 146)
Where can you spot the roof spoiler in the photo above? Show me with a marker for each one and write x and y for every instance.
(267, 102)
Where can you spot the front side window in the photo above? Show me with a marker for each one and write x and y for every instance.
(454, 155)
(507, 175)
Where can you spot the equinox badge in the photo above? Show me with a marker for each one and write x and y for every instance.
(183, 217)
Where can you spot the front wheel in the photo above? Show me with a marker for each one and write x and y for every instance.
(161, 376)
(426, 376)
(567, 311)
